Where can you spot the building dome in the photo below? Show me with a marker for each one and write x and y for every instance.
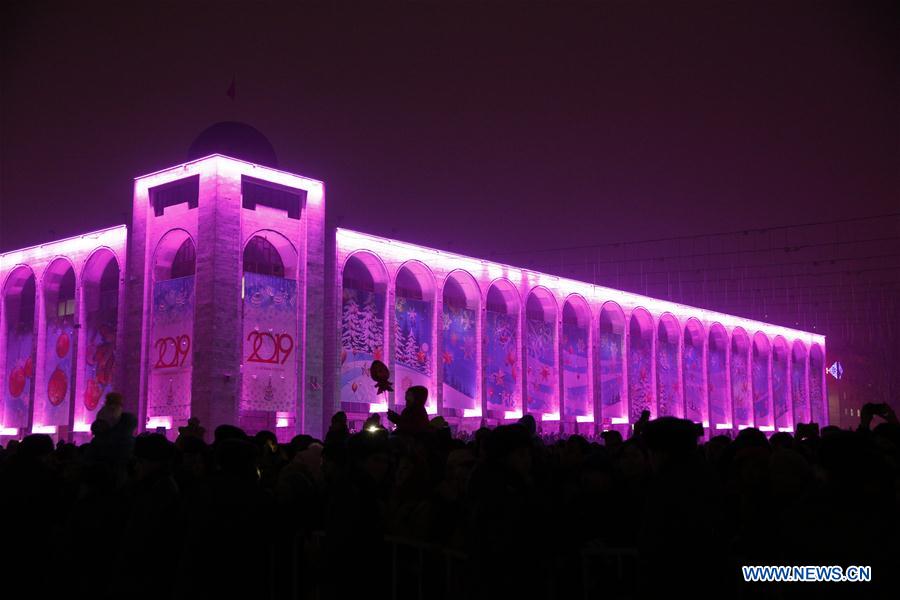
(234, 139)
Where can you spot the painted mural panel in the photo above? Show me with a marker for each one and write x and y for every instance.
(668, 390)
(59, 349)
(575, 370)
(100, 362)
(740, 389)
(541, 377)
(501, 361)
(760, 377)
(640, 391)
(413, 347)
(171, 348)
(459, 357)
(362, 341)
(611, 373)
(269, 359)
(780, 397)
(692, 361)
(816, 398)
(717, 387)
(798, 391)
(20, 357)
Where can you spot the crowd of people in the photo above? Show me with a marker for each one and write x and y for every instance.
(515, 514)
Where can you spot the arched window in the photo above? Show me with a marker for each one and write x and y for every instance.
(260, 256)
(185, 260)
(640, 368)
(501, 353)
(668, 385)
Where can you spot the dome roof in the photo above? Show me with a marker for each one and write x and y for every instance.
(234, 139)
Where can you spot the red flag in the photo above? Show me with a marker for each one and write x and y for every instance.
(231, 89)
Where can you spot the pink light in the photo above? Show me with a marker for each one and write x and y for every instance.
(281, 422)
(706, 424)
(724, 426)
(766, 428)
(786, 429)
(81, 427)
(619, 420)
(48, 429)
(378, 408)
(584, 418)
(512, 414)
(9, 431)
(470, 412)
(113, 237)
(550, 416)
(157, 422)
(742, 427)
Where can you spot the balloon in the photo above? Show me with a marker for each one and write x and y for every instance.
(62, 344)
(17, 382)
(57, 386)
(92, 394)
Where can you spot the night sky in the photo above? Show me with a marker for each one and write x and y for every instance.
(488, 129)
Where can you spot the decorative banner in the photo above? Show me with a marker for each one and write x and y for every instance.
(58, 350)
(760, 376)
(816, 400)
(836, 370)
(798, 391)
(541, 377)
(459, 357)
(640, 392)
(717, 387)
(362, 341)
(269, 355)
(575, 370)
(171, 348)
(692, 361)
(740, 389)
(668, 391)
(413, 347)
(501, 361)
(100, 361)
(19, 377)
(780, 392)
(611, 371)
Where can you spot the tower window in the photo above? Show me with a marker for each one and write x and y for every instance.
(182, 191)
(260, 256)
(256, 191)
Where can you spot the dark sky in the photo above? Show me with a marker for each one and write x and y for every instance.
(521, 125)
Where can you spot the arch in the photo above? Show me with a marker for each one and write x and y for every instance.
(100, 295)
(576, 358)
(611, 346)
(541, 376)
(501, 350)
(799, 404)
(763, 416)
(58, 287)
(267, 252)
(640, 364)
(413, 347)
(693, 384)
(818, 405)
(364, 282)
(668, 372)
(781, 402)
(175, 256)
(461, 304)
(19, 300)
(717, 378)
(741, 392)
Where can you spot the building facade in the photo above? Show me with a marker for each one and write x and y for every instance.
(227, 300)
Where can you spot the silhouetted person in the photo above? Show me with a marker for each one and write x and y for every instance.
(413, 418)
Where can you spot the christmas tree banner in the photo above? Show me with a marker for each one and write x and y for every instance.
(717, 387)
(459, 357)
(759, 373)
(59, 348)
(611, 371)
(798, 390)
(19, 377)
(362, 341)
(171, 348)
(540, 342)
(668, 391)
(816, 401)
(413, 347)
(780, 391)
(501, 361)
(741, 402)
(640, 390)
(270, 346)
(575, 370)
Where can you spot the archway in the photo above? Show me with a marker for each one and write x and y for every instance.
(541, 377)
(781, 401)
(52, 409)
(741, 394)
(640, 364)
(459, 343)
(668, 384)
(818, 405)
(362, 331)
(414, 332)
(759, 376)
(501, 360)
(799, 402)
(575, 359)
(612, 364)
(100, 294)
(695, 408)
(19, 295)
(717, 379)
